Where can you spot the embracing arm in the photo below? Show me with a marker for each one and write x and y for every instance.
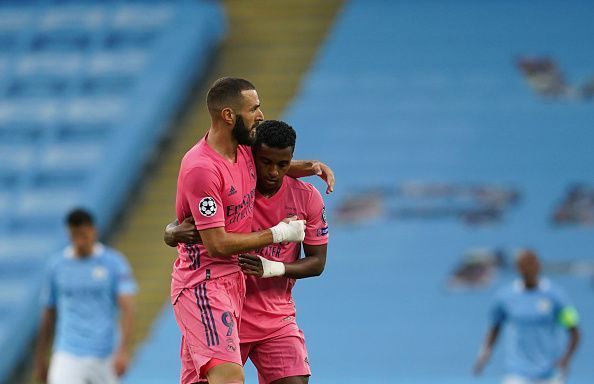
(202, 191)
(311, 265)
(220, 243)
(304, 168)
(169, 234)
(185, 232)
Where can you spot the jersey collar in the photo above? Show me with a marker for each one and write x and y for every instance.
(278, 193)
(543, 285)
(97, 250)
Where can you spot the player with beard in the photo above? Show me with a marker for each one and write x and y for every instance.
(269, 333)
(216, 189)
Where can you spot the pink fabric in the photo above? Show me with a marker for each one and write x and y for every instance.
(278, 357)
(211, 364)
(208, 316)
(216, 193)
(269, 309)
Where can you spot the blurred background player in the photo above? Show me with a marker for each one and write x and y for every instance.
(216, 186)
(536, 310)
(87, 286)
(269, 333)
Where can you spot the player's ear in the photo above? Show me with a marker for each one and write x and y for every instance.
(227, 115)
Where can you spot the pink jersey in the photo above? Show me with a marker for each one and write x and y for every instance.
(269, 309)
(218, 194)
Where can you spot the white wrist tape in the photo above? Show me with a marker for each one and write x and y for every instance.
(293, 231)
(272, 268)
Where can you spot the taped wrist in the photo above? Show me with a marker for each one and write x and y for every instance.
(278, 232)
(292, 231)
(272, 268)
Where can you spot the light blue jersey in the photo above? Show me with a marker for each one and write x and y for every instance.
(536, 319)
(85, 294)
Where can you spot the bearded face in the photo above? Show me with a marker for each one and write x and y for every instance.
(243, 134)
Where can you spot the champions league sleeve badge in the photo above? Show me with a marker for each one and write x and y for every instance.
(207, 206)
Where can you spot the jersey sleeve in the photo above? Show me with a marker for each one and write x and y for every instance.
(48, 289)
(316, 227)
(125, 283)
(497, 313)
(566, 314)
(203, 193)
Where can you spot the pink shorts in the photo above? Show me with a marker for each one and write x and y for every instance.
(278, 357)
(208, 316)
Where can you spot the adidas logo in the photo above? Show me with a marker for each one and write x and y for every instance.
(232, 191)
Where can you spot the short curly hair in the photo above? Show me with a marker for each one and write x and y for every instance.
(275, 134)
(79, 217)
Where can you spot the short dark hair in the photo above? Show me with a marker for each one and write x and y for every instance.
(79, 217)
(226, 92)
(275, 134)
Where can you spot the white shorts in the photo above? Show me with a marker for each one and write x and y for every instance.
(70, 369)
(515, 379)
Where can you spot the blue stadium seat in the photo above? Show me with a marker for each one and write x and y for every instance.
(5, 196)
(37, 87)
(16, 157)
(73, 19)
(46, 202)
(145, 17)
(104, 110)
(87, 132)
(50, 64)
(72, 156)
(20, 132)
(84, 98)
(8, 42)
(28, 111)
(15, 19)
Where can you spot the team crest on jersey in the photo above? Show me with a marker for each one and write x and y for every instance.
(99, 273)
(207, 206)
(251, 170)
(231, 347)
(324, 215)
(544, 305)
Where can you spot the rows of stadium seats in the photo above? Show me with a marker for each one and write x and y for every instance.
(426, 92)
(87, 89)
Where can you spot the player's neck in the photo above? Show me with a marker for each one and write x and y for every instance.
(222, 142)
(531, 283)
(268, 192)
(83, 253)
